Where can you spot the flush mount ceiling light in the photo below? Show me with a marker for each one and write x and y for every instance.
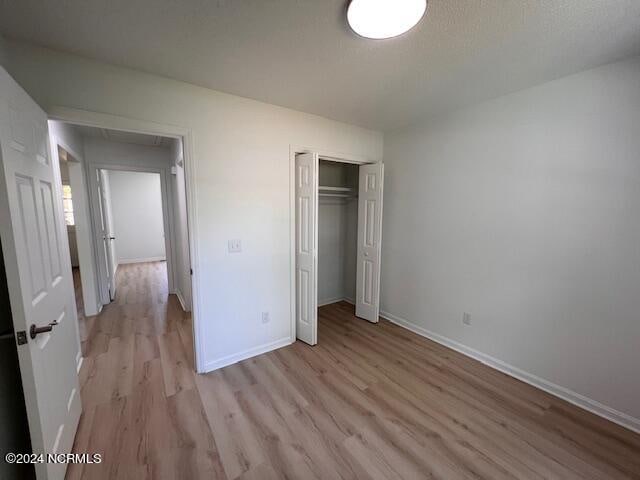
(380, 19)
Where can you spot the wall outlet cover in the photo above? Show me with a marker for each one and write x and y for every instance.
(235, 246)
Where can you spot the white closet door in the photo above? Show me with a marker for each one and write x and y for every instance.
(306, 179)
(38, 267)
(369, 241)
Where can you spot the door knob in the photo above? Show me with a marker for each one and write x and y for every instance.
(35, 331)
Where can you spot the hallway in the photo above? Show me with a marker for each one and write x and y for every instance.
(138, 354)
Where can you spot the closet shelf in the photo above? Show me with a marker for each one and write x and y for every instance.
(335, 189)
(336, 195)
(337, 192)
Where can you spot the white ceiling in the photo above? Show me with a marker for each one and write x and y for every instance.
(124, 137)
(301, 54)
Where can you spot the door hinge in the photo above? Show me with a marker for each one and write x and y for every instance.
(22, 337)
(191, 271)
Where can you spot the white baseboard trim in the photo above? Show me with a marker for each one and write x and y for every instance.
(124, 261)
(570, 396)
(252, 352)
(178, 294)
(329, 301)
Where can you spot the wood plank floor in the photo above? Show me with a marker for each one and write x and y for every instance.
(369, 401)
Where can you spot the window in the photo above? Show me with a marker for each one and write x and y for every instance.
(67, 205)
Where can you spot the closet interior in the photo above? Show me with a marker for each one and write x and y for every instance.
(337, 231)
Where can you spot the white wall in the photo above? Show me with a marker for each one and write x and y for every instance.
(3, 51)
(136, 204)
(72, 142)
(108, 152)
(332, 229)
(241, 163)
(523, 211)
(102, 153)
(337, 250)
(181, 227)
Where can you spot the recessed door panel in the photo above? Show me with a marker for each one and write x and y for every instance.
(305, 243)
(18, 130)
(29, 236)
(50, 232)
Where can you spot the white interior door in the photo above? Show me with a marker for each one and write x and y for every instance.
(306, 206)
(369, 241)
(104, 237)
(39, 275)
(108, 233)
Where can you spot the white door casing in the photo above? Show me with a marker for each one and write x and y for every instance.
(306, 207)
(369, 241)
(39, 276)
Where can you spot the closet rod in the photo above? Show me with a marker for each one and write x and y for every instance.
(335, 189)
(339, 195)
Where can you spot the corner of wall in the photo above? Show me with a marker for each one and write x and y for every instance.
(559, 391)
(3, 52)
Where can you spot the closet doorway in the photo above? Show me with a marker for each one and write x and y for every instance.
(338, 233)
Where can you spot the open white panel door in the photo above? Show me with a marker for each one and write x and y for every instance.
(104, 256)
(369, 241)
(39, 275)
(108, 231)
(306, 206)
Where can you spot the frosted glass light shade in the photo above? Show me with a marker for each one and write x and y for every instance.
(380, 19)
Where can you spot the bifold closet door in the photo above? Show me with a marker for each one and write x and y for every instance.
(306, 205)
(369, 241)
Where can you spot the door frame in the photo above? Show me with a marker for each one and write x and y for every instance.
(115, 122)
(167, 216)
(95, 305)
(323, 154)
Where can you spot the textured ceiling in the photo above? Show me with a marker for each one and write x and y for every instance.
(124, 137)
(301, 54)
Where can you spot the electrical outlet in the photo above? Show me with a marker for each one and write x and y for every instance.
(235, 246)
(265, 317)
(466, 318)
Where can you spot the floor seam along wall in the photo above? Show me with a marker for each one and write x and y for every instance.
(563, 393)
(570, 396)
(243, 355)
